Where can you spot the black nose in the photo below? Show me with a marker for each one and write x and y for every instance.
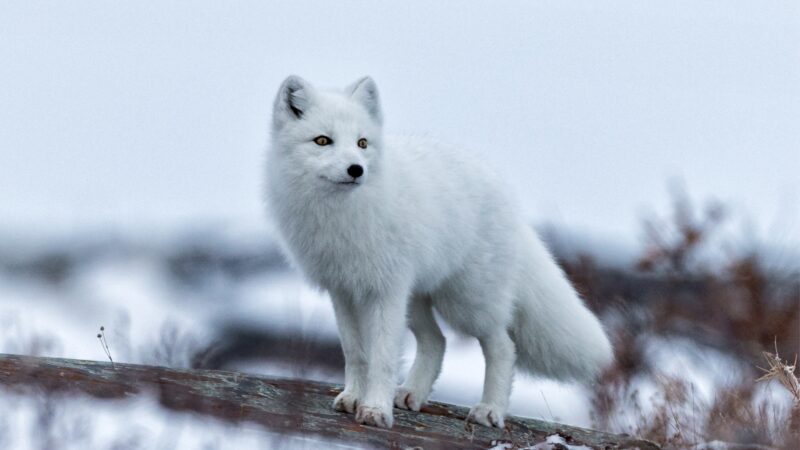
(355, 171)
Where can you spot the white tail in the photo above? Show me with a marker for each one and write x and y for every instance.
(555, 334)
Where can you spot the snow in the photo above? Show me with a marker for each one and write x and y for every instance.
(138, 422)
(720, 445)
(552, 442)
(137, 301)
(150, 316)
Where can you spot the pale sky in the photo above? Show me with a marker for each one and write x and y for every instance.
(156, 113)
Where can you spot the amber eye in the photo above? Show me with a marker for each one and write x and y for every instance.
(322, 140)
(362, 143)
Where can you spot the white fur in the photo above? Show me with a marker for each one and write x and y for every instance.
(425, 227)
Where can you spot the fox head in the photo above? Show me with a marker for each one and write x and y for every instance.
(329, 140)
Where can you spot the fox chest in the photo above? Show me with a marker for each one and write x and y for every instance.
(347, 256)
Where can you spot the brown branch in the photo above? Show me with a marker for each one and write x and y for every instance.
(285, 405)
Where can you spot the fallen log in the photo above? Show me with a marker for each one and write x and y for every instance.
(298, 407)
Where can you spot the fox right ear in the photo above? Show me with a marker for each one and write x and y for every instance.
(292, 100)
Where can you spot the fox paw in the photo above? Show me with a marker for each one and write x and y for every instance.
(406, 398)
(346, 402)
(486, 414)
(374, 416)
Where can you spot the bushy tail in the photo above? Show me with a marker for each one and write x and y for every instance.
(555, 334)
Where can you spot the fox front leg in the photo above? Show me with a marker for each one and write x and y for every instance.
(384, 322)
(355, 358)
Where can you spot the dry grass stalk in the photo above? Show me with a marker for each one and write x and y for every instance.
(785, 374)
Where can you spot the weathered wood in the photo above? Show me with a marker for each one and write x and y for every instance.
(286, 405)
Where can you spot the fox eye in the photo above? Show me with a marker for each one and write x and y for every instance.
(362, 143)
(322, 140)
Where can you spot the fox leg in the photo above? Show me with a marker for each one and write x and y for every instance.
(498, 350)
(428, 360)
(383, 322)
(355, 358)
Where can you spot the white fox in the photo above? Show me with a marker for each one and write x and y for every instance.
(394, 228)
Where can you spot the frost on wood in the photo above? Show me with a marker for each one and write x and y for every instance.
(289, 406)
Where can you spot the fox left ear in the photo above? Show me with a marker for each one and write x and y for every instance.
(365, 92)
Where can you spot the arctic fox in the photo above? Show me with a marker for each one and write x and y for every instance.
(395, 228)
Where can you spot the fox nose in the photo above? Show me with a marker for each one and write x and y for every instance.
(355, 171)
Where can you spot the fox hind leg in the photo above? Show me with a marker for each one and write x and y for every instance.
(480, 304)
(498, 350)
(428, 360)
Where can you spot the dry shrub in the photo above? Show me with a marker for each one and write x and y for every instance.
(667, 416)
(736, 416)
(737, 308)
(676, 417)
(672, 244)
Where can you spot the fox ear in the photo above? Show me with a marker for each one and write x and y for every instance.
(292, 100)
(365, 92)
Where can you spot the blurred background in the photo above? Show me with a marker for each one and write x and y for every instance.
(654, 145)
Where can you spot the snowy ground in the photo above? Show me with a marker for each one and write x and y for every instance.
(150, 317)
(163, 298)
(78, 423)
